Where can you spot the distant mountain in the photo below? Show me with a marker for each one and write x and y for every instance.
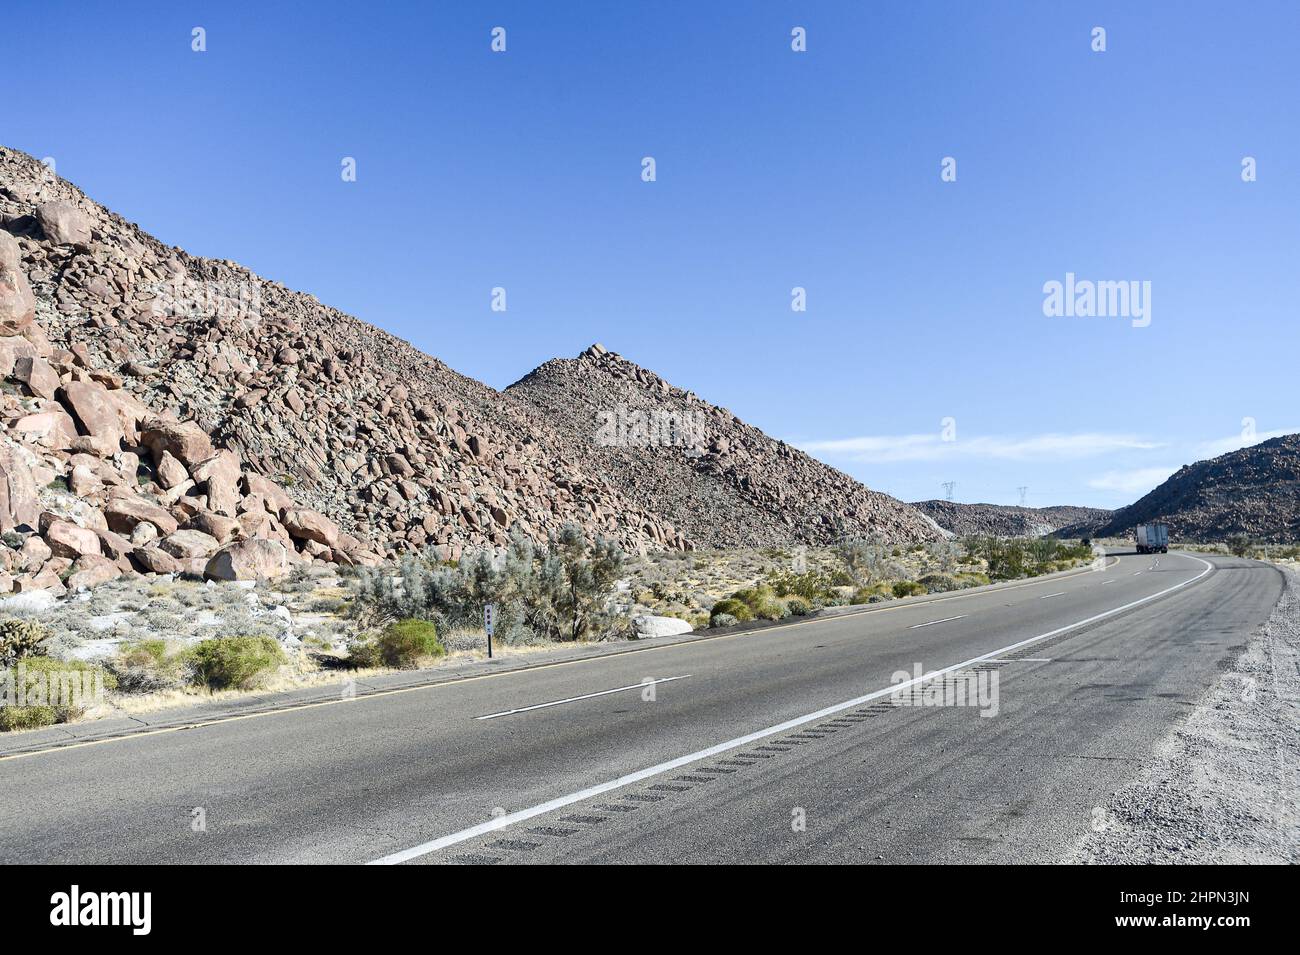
(1253, 491)
(1000, 520)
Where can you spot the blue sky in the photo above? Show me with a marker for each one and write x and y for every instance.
(775, 169)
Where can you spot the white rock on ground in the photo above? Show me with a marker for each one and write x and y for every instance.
(649, 625)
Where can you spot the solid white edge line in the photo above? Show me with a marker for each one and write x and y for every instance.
(585, 696)
(502, 822)
(931, 623)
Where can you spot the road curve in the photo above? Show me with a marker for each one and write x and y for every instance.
(773, 745)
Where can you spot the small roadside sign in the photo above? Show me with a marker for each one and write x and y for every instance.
(489, 624)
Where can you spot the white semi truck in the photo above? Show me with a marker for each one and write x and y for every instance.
(1153, 538)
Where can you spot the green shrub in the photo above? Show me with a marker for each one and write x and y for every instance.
(146, 666)
(723, 620)
(738, 610)
(21, 639)
(909, 588)
(26, 717)
(762, 603)
(60, 705)
(797, 606)
(873, 593)
(402, 645)
(938, 583)
(811, 586)
(235, 662)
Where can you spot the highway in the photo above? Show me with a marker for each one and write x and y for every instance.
(776, 745)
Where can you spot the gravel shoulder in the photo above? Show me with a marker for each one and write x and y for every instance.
(1224, 786)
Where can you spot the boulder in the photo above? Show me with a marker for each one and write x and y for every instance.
(124, 513)
(64, 224)
(218, 526)
(152, 560)
(170, 471)
(35, 372)
(276, 499)
(68, 540)
(248, 560)
(306, 524)
(650, 625)
(19, 503)
(91, 570)
(13, 347)
(17, 302)
(184, 545)
(183, 440)
(53, 429)
(97, 415)
(221, 475)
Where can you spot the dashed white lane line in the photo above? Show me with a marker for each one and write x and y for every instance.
(585, 696)
(931, 623)
(559, 802)
(1111, 581)
(1060, 593)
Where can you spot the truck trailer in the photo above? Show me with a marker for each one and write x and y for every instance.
(1153, 538)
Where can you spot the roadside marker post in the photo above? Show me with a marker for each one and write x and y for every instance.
(489, 624)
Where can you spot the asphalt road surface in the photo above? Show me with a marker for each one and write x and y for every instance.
(776, 745)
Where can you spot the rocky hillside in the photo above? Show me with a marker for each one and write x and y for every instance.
(390, 447)
(1253, 491)
(699, 465)
(998, 520)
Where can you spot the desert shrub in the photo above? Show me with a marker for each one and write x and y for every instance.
(1238, 545)
(20, 639)
(873, 593)
(909, 588)
(972, 578)
(737, 610)
(333, 605)
(562, 591)
(797, 606)
(723, 620)
(811, 586)
(60, 699)
(862, 559)
(26, 717)
(938, 583)
(238, 662)
(762, 603)
(146, 666)
(404, 644)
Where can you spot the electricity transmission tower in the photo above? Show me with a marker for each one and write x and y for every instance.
(1024, 494)
(948, 488)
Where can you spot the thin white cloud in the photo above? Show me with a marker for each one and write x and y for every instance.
(1212, 449)
(878, 449)
(1136, 481)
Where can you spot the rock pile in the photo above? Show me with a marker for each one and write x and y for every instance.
(93, 483)
(390, 448)
(675, 454)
